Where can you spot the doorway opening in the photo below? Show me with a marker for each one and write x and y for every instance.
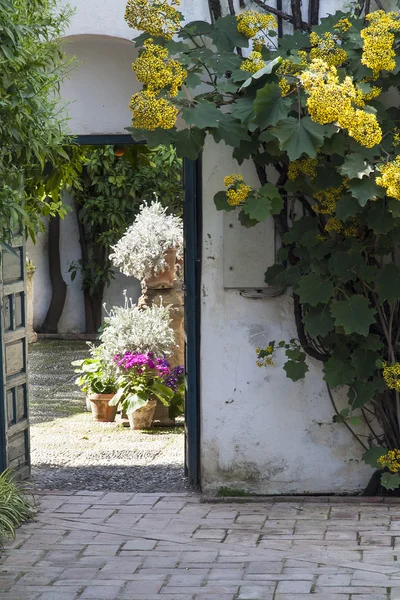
(68, 450)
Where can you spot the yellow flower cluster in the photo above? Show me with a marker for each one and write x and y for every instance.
(264, 356)
(327, 199)
(291, 70)
(156, 71)
(391, 375)
(390, 460)
(251, 22)
(378, 52)
(343, 25)
(390, 178)
(253, 63)
(284, 86)
(303, 166)
(333, 224)
(324, 47)
(237, 191)
(155, 17)
(330, 101)
(396, 137)
(150, 112)
(361, 97)
(352, 227)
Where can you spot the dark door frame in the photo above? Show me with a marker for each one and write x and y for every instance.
(192, 217)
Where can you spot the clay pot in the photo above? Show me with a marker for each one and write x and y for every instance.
(101, 410)
(142, 418)
(164, 279)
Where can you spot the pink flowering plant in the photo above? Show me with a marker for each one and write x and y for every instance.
(145, 376)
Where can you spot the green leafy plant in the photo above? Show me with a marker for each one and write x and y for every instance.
(33, 124)
(95, 376)
(15, 508)
(312, 106)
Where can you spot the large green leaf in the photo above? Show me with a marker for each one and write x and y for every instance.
(299, 137)
(394, 207)
(266, 70)
(338, 371)
(243, 109)
(230, 130)
(365, 189)
(196, 28)
(313, 290)
(226, 36)
(265, 203)
(363, 361)
(203, 115)
(370, 457)
(269, 106)
(345, 265)
(221, 201)
(222, 62)
(390, 481)
(318, 322)
(379, 218)
(388, 283)
(361, 392)
(246, 221)
(346, 207)
(355, 166)
(353, 314)
(295, 370)
(189, 142)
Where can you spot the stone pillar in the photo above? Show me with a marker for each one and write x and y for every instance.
(30, 333)
(174, 298)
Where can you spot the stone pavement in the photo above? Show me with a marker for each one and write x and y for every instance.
(121, 546)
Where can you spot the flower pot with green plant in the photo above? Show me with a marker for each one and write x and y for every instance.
(144, 378)
(150, 247)
(99, 384)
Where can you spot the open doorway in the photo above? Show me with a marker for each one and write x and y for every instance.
(68, 449)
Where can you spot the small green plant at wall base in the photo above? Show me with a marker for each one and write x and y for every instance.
(311, 110)
(15, 508)
(227, 492)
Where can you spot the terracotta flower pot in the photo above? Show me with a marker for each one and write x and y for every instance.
(142, 418)
(164, 279)
(101, 410)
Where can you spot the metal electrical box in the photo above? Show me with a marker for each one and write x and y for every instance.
(248, 252)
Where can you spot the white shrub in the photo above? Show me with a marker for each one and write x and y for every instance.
(142, 247)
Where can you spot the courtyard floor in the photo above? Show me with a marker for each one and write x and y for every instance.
(123, 546)
(70, 451)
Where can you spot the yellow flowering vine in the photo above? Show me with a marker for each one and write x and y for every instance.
(155, 17)
(378, 52)
(390, 178)
(390, 460)
(237, 191)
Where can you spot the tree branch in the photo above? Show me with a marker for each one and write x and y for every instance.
(353, 433)
(283, 15)
(296, 12)
(313, 12)
(298, 314)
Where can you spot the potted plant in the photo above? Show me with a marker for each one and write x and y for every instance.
(149, 248)
(143, 379)
(99, 385)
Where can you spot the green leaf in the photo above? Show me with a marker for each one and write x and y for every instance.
(346, 207)
(313, 290)
(354, 314)
(361, 392)
(226, 36)
(355, 166)
(266, 202)
(370, 457)
(299, 137)
(390, 481)
(230, 130)
(345, 265)
(189, 142)
(246, 221)
(318, 322)
(203, 115)
(388, 283)
(269, 106)
(266, 70)
(338, 371)
(365, 189)
(223, 62)
(196, 28)
(363, 361)
(378, 218)
(243, 109)
(394, 207)
(221, 201)
(295, 370)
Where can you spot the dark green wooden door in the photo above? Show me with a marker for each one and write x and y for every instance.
(14, 421)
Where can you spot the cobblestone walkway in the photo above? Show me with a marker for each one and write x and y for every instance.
(120, 546)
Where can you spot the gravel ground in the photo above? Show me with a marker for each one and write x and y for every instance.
(70, 451)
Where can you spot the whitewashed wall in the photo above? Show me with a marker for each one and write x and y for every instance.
(259, 430)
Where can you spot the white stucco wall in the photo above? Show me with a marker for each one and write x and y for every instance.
(259, 430)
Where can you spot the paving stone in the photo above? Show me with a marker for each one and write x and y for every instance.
(97, 592)
(256, 593)
(295, 587)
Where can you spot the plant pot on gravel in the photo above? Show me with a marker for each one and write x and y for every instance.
(100, 387)
(101, 409)
(142, 418)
